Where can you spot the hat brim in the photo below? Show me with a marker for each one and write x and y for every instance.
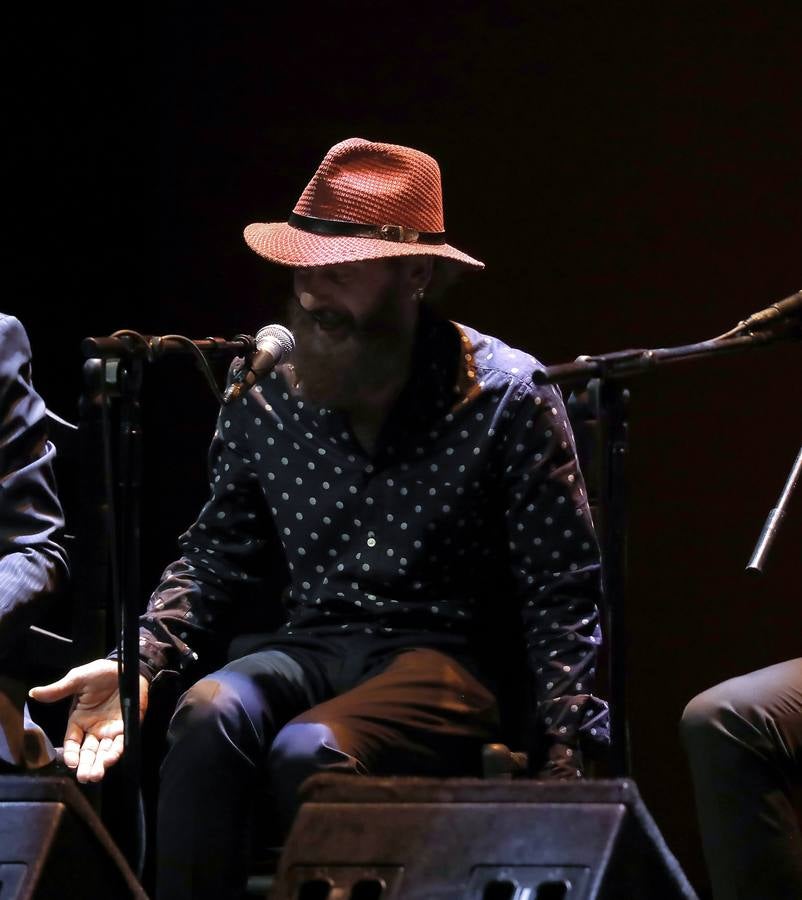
(288, 246)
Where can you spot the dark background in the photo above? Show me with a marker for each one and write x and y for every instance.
(629, 173)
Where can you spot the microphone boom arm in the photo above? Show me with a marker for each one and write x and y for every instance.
(623, 363)
(128, 344)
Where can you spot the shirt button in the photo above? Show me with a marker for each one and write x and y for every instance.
(371, 542)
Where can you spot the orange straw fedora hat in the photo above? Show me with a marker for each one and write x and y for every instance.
(366, 201)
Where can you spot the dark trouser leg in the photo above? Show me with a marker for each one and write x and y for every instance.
(218, 739)
(423, 714)
(744, 744)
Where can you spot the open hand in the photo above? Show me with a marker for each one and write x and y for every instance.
(94, 737)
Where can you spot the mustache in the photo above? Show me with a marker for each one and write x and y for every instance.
(325, 317)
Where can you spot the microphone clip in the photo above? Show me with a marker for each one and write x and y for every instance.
(272, 344)
(237, 385)
(783, 317)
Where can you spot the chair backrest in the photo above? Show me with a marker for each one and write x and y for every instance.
(583, 411)
(598, 414)
(516, 693)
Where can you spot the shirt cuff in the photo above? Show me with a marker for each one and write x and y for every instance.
(573, 720)
(562, 763)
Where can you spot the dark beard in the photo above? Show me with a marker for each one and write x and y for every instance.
(340, 374)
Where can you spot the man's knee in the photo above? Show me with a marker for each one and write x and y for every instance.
(726, 712)
(211, 707)
(699, 715)
(301, 749)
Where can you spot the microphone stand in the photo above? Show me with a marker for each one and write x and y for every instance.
(120, 358)
(603, 379)
(774, 518)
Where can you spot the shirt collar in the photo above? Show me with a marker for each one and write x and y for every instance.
(440, 376)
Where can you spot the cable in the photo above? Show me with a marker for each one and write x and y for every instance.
(204, 363)
(152, 350)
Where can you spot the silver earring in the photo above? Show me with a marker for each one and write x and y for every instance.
(419, 293)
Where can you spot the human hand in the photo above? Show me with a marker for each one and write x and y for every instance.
(93, 740)
(562, 763)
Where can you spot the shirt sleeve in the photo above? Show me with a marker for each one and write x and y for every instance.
(556, 568)
(32, 564)
(229, 557)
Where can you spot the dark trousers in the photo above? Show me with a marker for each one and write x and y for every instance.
(744, 743)
(243, 739)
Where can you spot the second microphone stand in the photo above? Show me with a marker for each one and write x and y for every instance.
(599, 382)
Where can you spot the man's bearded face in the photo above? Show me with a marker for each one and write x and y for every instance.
(353, 325)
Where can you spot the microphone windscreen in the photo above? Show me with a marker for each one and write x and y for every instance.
(275, 339)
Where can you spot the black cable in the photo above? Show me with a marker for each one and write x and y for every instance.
(204, 363)
(152, 350)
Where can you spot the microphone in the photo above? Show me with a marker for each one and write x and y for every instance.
(273, 344)
(783, 309)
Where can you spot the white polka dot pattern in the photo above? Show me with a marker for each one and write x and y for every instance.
(410, 544)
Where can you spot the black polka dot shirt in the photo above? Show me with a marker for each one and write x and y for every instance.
(471, 505)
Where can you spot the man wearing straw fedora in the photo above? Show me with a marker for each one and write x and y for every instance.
(416, 488)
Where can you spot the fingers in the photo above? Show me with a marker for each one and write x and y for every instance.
(86, 758)
(99, 675)
(72, 745)
(108, 752)
(97, 769)
(57, 690)
(90, 754)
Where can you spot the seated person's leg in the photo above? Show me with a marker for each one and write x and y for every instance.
(422, 714)
(23, 744)
(744, 743)
(218, 739)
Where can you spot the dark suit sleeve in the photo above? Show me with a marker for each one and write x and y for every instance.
(32, 564)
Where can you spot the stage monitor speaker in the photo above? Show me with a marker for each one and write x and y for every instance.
(52, 844)
(463, 839)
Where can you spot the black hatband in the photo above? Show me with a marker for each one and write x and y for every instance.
(333, 227)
